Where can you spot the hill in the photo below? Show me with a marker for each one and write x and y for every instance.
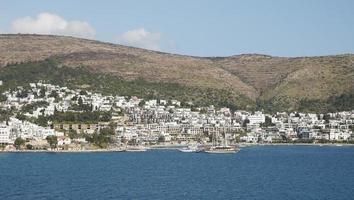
(246, 81)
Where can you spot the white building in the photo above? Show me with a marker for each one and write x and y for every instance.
(64, 141)
(337, 134)
(4, 134)
(257, 118)
(249, 139)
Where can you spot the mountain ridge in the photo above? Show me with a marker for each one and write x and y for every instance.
(279, 81)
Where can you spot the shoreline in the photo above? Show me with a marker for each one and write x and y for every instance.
(62, 151)
(173, 147)
(296, 144)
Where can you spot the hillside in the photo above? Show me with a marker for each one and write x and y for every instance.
(128, 63)
(274, 83)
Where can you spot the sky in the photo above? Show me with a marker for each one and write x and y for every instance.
(194, 27)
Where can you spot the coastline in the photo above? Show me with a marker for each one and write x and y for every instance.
(61, 151)
(174, 147)
(338, 145)
(296, 144)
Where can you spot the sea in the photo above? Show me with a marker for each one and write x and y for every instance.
(257, 172)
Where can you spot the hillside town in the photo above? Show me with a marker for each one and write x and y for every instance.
(42, 116)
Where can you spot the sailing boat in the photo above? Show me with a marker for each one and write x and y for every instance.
(221, 149)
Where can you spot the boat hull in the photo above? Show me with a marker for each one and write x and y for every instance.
(135, 150)
(187, 150)
(220, 152)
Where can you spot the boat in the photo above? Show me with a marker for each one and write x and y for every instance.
(135, 149)
(221, 149)
(190, 149)
(118, 150)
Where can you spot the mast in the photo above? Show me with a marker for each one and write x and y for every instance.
(225, 142)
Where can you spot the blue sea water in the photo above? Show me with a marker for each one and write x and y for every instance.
(295, 172)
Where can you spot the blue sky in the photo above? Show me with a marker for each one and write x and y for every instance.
(194, 27)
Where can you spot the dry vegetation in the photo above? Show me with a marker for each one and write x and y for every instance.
(282, 81)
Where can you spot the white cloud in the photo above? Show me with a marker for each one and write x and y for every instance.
(141, 38)
(48, 23)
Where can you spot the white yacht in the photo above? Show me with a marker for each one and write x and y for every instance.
(190, 149)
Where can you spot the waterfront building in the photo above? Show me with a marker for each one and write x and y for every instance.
(257, 118)
(4, 134)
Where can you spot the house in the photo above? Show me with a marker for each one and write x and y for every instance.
(63, 141)
(86, 128)
(167, 137)
(39, 144)
(4, 134)
(256, 118)
(303, 133)
(49, 110)
(249, 139)
(338, 134)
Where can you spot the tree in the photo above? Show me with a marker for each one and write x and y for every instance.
(74, 98)
(268, 122)
(107, 131)
(54, 94)
(29, 147)
(52, 141)
(203, 111)
(5, 115)
(73, 134)
(41, 121)
(83, 92)
(21, 117)
(2, 98)
(42, 93)
(245, 122)
(161, 138)
(326, 117)
(184, 104)
(19, 142)
(352, 128)
(101, 139)
(142, 103)
(80, 101)
(33, 106)
(169, 102)
(22, 94)
(106, 116)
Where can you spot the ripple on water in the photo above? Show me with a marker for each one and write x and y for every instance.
(253, 173)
